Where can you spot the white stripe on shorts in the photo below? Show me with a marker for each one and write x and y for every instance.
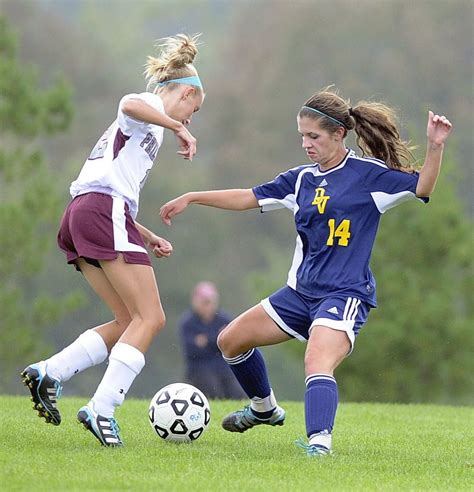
(350, 309)
(121, 242)
(346, 324)
(267, 306)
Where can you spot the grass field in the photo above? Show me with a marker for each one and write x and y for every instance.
(377, 447)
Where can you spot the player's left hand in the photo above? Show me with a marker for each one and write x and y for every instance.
(438, 129)
(161, 247)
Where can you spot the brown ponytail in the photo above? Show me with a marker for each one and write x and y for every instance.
(378, 135)
(375, 125)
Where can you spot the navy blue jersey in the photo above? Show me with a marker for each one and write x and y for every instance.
(337, 213)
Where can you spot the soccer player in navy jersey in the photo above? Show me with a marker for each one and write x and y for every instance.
(337, 203)
(100, 236)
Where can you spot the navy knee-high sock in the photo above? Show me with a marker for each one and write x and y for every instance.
(250, 371)
(321, 399)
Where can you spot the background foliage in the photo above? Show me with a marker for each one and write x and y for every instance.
(260, 61)
(28, 205)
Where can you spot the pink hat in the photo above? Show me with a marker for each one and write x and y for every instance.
(205, 290)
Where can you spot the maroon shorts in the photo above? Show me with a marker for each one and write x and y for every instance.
(96, 227)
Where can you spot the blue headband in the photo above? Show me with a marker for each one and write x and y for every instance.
(194, 80)
(339, 123)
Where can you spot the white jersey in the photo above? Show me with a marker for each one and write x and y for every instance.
(122, 158)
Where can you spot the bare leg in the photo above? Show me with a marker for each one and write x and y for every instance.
(254, 328)
(92, 346)
(113, 330)
(89, 349)
(326, 349)
(136, 287)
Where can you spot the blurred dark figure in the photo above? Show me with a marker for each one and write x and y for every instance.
(199, 327)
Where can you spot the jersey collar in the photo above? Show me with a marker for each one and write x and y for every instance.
(349, 153)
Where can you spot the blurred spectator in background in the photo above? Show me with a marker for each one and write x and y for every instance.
(199, 327)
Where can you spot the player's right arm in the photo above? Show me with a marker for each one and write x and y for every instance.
(237, 199)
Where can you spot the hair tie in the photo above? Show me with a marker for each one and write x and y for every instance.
(339, 123)
(194, 80)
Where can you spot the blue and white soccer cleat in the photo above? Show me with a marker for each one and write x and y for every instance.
(312, 450)
(44, 390)
(105, 429)
(245, 419)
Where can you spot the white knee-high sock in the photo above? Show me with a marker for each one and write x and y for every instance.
(87, 350)
(125, 363)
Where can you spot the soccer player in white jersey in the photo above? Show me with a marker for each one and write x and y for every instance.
(337, 203)
(100, 237)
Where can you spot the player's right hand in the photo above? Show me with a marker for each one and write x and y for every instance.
(172, 208)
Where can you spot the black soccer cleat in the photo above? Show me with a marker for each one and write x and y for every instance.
(44, 390)
(105, 429)
(245, 419)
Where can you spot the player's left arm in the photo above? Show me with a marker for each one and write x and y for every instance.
(160, 246)
(437, 131)
(140, 110)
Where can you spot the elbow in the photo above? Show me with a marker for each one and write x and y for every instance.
(424, 188)
(250, 201)
(129, 107)
(423, 192)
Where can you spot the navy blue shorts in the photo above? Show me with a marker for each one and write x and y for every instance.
(297, 314)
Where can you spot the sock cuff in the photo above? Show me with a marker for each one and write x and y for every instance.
(263, 404)
(239, 358)
(129, 356)
(94, 345)
(320, 378)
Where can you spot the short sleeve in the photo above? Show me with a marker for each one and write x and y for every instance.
(128, 124)
(278, 193)
(390, 187)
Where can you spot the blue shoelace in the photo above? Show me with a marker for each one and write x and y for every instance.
(311, 449)
(59, 390)
(114, 427)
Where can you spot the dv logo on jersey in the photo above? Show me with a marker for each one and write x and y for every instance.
(321, 199)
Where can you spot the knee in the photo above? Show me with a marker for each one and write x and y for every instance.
(159, 322)
(123, 320)
(229, 343)
(153, 321)
(226, 343)
(317, 361)
(222, 341)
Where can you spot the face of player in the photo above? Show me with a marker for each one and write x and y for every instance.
(190, 102)
(325, 148)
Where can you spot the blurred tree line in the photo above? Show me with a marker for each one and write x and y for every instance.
(29, 203)
(260, 61)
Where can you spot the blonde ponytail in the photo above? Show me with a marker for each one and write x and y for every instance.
(177, 54)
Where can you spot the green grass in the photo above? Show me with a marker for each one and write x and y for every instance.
(377, 447)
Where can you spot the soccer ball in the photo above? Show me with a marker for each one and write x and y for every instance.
(179, 412)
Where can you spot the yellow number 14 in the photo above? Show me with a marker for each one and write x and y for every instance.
(341, 232)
